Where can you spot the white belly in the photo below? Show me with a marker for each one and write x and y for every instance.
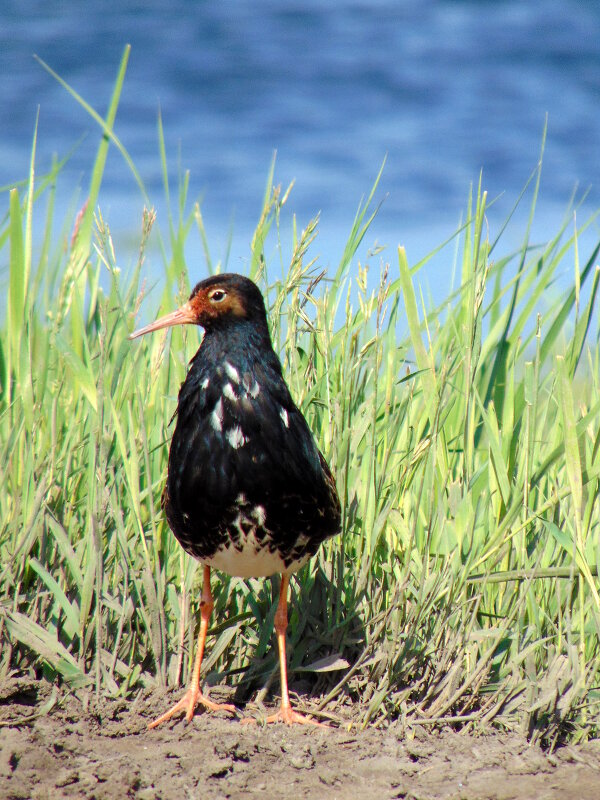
(253, 560)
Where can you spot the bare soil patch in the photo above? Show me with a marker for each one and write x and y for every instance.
(105, 752)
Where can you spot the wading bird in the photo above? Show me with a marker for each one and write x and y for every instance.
(247, 490)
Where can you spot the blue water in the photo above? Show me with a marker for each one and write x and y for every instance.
(444, 89)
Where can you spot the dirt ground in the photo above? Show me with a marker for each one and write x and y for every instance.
(52, 749)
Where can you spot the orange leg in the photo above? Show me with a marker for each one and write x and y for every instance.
(286, 713)
(193, 696)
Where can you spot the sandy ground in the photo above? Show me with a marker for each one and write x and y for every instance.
(105, 752)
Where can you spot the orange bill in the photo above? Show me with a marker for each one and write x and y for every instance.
(184, 315)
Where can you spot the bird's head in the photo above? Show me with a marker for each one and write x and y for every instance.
(217, 302)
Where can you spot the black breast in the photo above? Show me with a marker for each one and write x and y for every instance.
(243, 458)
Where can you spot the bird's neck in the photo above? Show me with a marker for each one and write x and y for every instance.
(240, 342)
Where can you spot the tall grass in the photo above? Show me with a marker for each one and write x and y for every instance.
(464, 438)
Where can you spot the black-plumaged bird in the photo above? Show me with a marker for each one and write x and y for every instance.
(247, 491)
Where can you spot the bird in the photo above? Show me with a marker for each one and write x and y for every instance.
(248, 491)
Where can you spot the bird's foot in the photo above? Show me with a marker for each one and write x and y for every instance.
(188, 703)
(287, 715)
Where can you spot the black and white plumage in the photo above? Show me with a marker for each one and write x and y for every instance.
(248, 491)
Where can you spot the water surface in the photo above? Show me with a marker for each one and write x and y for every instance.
(444, 89)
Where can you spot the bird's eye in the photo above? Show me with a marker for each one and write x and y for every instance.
(217, 296)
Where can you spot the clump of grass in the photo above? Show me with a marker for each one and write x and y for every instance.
(465, 440)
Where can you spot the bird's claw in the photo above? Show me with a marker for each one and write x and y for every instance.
(287, 715)
(188, 704)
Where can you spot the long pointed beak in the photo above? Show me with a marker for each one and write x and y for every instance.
(182, 316)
